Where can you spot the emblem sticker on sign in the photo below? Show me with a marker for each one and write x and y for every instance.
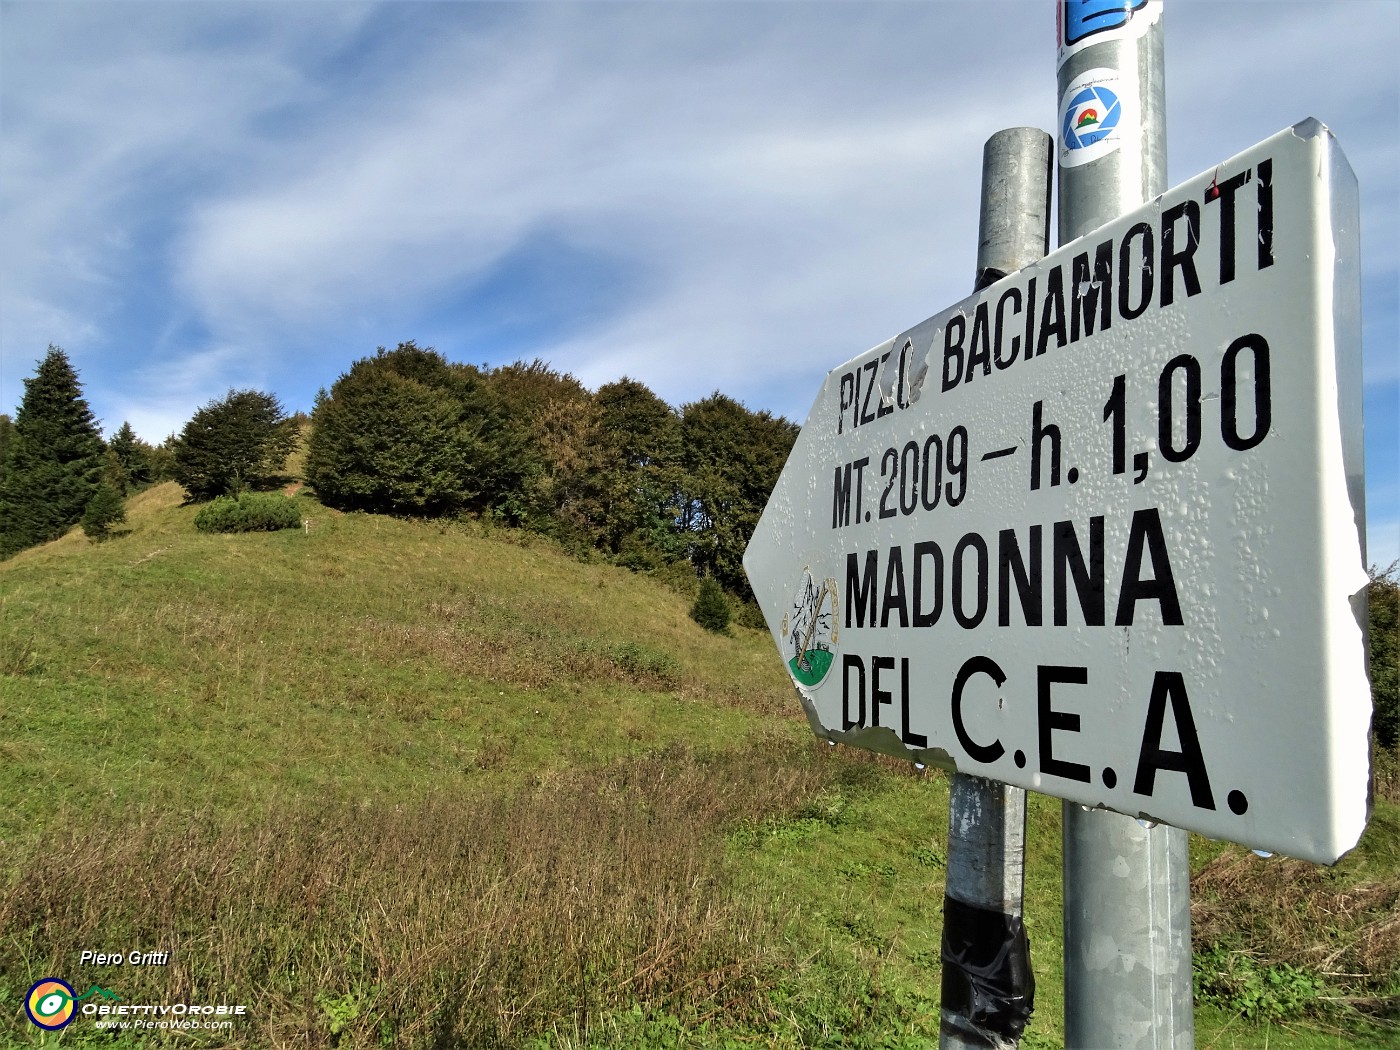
(810, 629)
(1093, 117)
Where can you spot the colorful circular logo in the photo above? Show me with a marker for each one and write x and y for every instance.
(49, 1003)
(1090, 116)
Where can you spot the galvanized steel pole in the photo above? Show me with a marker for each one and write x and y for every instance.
(1127, 890)
(988, 987)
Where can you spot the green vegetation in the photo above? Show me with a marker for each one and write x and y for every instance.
(249, 512)
(241, 440)
(1383, 598)
(53, 458)
(405, 432)
(137, 464)
(711, 608)
(616, 474)
(397, 782)
(732, 459)
(104, 510)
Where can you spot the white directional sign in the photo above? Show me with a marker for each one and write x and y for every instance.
(1097, 529)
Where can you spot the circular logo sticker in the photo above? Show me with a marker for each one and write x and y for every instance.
(809, 629)
(1091, 114)
(49, 1003)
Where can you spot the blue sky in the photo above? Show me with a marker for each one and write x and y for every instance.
(203, 196)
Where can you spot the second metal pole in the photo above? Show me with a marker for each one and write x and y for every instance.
(988, 987)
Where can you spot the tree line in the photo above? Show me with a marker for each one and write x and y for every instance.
(614, 473)
(617, 472)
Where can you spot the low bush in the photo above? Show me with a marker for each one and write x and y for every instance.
(249, 512)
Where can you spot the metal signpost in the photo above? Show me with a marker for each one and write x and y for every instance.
(1097, 531)
(1130, 879)
(988, 986)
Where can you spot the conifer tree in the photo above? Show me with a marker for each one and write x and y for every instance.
(711, 608)
(132, 457)
(105, 509)
(53, 459)
(241, 440)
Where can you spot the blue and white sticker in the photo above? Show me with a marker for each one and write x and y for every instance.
(1095, 114)
(1083, 23)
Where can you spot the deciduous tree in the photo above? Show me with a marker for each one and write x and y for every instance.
(407, 432)
(732, 459)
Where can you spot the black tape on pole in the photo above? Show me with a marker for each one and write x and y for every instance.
(987, 979)
(987, 277)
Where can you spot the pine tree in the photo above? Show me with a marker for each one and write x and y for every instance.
(7, 433)
(105, 509)
(53, 460)
(711, 608)
(133, 459)
(242, 440)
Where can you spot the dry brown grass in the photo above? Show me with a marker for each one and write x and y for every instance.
(467, 920)
(1344, 926)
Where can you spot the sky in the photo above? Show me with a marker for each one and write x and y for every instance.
(204, 196)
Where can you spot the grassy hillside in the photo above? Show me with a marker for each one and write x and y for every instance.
(391, 783)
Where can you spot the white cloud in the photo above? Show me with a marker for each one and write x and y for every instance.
(784, 186)
(113, 116)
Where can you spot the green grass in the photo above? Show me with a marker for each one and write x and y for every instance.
(404, 783)
(367, 657)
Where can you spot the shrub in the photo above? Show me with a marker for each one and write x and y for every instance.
(249, 512)
(711, 608)
(1236, 980)
(751, 616)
